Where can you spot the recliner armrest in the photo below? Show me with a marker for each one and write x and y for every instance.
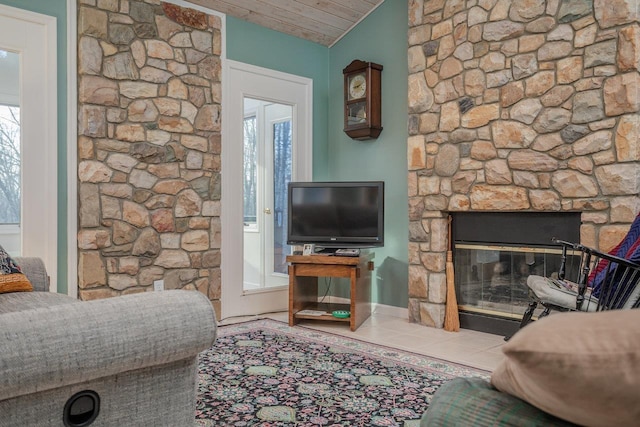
(36, 272)
(50, 347)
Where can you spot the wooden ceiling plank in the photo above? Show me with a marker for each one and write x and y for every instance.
(330, 6)
(223, 6)
(267, 8)
(334, 8)
(296, 31)
(362, 18)
(360, 6)
(265, 21)
(320, 21)
(315, 13)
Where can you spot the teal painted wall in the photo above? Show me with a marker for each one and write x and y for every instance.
(256, 45)
(380, 38)
(57, 8)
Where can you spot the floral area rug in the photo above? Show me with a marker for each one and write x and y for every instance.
(265, 373)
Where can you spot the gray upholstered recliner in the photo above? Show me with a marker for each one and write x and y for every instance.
(134, 356)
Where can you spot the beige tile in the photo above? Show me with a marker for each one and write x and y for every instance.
(467, 347)
(482, 360)
(477, 351)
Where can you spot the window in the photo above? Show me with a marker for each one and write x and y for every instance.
(9, 165)
(250, 172)
(282, 169)
(10, 154)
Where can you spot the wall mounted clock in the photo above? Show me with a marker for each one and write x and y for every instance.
(362, 100)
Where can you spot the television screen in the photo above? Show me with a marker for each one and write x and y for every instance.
(336, 214)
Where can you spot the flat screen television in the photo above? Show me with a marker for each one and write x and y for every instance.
(336, 214)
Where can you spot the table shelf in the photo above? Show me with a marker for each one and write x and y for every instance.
(328, 307)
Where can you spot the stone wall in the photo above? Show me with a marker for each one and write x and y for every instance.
(519, 105)
(148, 149)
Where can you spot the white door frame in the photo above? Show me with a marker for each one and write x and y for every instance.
(33, 36)
(240, 81)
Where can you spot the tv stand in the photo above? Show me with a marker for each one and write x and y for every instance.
(304, 271)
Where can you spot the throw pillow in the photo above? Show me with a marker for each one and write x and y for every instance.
(11, 277)
(581, 367)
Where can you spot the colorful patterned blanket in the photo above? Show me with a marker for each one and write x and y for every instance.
(628, 248)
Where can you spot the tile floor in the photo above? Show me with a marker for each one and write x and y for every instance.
(477, 349)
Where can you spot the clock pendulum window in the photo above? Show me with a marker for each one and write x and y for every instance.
(362, 100)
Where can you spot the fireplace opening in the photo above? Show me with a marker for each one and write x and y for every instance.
(494, 253)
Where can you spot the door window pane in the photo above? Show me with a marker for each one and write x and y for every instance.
(9, 165)
(250, 172)
(10, 153)
(267, 171)
(281, 177)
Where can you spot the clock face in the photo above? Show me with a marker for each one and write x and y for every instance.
(357, 86)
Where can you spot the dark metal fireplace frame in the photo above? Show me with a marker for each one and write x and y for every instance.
(535, 229)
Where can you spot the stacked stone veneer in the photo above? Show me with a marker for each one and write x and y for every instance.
(149, 148)
(519, 105)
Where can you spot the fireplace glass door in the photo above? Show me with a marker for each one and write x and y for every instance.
(492, 279)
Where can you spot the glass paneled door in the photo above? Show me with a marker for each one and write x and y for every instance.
(268, 135)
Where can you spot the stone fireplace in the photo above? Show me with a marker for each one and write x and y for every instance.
(526, 106)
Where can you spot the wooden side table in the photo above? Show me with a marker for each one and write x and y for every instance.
(304, 271)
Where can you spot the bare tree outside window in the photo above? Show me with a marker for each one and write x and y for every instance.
(9, 165)
(282, 170)
(250, 170)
